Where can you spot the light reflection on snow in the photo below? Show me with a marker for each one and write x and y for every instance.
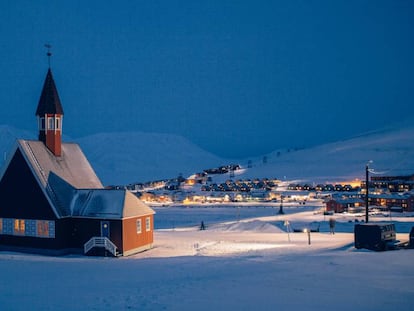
(227, 248)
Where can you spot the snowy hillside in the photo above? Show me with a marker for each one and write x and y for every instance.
(124, 158)
(392, 152)
(130, 157)
(8, 136)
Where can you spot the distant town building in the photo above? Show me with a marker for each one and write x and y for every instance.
(340, 205)
(393, 201)
(401, 183)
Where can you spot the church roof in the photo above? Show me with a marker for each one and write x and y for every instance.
(72, 165)
(49, 101)
(104, 203)
(73, 187)
(95, 203)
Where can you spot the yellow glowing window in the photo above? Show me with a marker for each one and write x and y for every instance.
(19, 226)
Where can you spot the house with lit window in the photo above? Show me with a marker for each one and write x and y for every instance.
(403, 202)
(340, 205)
(51, 200)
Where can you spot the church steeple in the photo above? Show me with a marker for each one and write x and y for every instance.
(49, 113)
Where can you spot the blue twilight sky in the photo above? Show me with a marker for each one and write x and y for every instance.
(238, 78)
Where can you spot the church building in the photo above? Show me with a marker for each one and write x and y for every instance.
(51, 200)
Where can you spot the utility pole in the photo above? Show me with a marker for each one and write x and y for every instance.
(366, 190)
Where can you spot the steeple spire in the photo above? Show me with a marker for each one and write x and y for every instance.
(49, 113)
(49, 101)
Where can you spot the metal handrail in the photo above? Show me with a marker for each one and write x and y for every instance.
(100, 242)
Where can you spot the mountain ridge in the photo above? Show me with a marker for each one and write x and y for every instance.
(123, 158)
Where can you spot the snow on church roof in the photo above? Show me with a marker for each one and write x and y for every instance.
(105, 203)
(73, 186)
(72, 165)
(95, 203)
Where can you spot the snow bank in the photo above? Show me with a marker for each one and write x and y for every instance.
(252, 226)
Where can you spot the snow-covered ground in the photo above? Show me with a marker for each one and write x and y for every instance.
(244, 260)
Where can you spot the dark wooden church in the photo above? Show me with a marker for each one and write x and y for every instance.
(51, 200)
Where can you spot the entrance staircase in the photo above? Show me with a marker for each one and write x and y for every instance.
(101, 242)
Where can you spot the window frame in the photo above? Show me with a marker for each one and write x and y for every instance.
(19, 227)
(50, 123)
(139, 226)
(147, 224)
(42, 229)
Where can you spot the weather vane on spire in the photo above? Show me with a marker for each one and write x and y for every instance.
(49, 54)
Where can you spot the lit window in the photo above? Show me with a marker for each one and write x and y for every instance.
(139, 226)
(42, 228)
(147, 224)
(27, 227)
(19, 227)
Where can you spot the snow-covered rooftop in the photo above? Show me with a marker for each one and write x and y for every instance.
(103, 203)
(72, 166)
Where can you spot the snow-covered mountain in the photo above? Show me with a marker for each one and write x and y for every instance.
(124, 158)
(9, 134)
(391, 152)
